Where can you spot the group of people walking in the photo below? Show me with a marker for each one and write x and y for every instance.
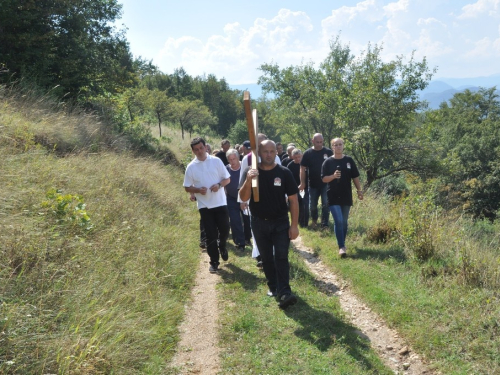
(289, 182)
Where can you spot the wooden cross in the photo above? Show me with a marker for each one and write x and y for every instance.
(251, 116)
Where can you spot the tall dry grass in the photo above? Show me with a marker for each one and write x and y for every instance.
(104, 297)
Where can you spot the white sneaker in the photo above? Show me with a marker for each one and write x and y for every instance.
(342, 252)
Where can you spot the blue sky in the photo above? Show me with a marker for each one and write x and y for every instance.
(232, 39)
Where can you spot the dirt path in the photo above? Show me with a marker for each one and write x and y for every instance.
(391, 348)
(198, 353)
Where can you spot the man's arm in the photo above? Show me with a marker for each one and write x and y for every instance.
(195, 190)
(246, 189)
(293, 232)
(302, 177)
(220, 185)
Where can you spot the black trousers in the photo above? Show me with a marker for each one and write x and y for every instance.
(216, 223)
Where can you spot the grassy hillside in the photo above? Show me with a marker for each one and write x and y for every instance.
(95, 264)
(98, 251)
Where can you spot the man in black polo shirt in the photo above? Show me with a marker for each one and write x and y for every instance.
(225, 145)
(312, 160)
(270, 225)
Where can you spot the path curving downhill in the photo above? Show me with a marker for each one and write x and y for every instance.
(198, 351)
(389, 345)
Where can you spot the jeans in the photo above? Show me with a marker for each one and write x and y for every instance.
(340, 216)
(235, 221)
(314, 194)
(271, 234)
(216, 223)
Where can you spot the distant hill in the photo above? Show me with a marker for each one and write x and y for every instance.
(438, 91)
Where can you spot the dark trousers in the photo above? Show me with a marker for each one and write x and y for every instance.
(236, 221)
(269, 235)
(247, 228)
(203, 236)
(314, 194)
(304, 209)
(216, 223)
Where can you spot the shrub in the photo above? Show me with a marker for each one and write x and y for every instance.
(418, 218)
(381, 232)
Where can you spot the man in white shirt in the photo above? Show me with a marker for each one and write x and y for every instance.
(206, 177)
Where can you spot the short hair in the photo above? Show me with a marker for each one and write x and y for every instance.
(196, 141)
(232, 151)
(224, 142)
(290, 144)
(262, 135)
(296, 151)
(278, 144)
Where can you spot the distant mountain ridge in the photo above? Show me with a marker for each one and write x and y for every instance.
(438, 91)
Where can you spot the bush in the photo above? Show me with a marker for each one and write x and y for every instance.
(381, 232)
(418, 220)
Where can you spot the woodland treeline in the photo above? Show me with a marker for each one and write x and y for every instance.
(71, 49)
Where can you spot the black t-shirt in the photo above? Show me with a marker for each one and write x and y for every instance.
(340, 190)
(295, 169)
(222, 156)
(313, 160)
(273, 185)
(287, 159)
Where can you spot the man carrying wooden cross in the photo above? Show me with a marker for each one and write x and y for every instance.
(270, 225)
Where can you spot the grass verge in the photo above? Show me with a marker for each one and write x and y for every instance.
(455, 325)
(311, 337)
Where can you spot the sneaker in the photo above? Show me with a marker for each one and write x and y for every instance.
(270, 293)
(213, 269)
(342, 252)
(259, 264)
(287, 300)
(203, 244)
(241, 248)
(224, 255)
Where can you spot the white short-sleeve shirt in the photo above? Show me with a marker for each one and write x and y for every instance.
(205, 174)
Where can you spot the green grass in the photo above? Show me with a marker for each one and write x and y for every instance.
(311, 337)
(105, 298)
(455, 325)
(107, 295)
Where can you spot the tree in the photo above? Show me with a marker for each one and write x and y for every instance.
(373, 104)
(70, 43)
(308, 100)
(379, 114)
(161, 105)
(191, 114)
(467, 133)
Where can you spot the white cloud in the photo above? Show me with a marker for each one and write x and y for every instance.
(460, 45)
(490, 7)
(237, 53)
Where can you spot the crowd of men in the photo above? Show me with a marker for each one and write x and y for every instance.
(291, 183)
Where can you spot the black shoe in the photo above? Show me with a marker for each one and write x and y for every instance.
(248, 243)
(259, 264)
(241, 248)
(203, 244)
(271, 293)
(224, 255)
(213, 269)
(287, 300)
